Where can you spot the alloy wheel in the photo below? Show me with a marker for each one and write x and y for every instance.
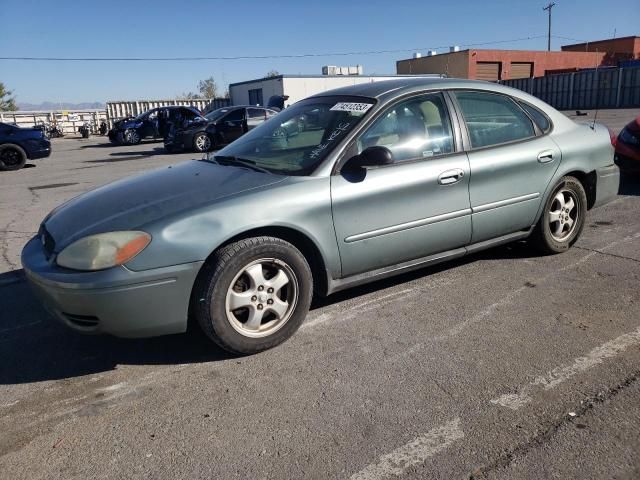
(563, 215)
(132, 137)
(262, 297)
(203, 143)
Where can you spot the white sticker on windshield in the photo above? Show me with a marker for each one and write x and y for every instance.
(351, 107)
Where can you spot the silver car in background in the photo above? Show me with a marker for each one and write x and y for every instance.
(379, 179)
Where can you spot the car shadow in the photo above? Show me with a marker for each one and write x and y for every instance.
(130, 155)
(114, 145)
(513, 251)
(629, 183)
(36, 348)
(99, 145)
(148, 153)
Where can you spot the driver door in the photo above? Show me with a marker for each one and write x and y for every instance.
(149, 125)
(231, 126)
(413, 208)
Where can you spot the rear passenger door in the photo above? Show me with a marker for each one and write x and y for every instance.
(231, 126)
(255, 116)
(511, 161)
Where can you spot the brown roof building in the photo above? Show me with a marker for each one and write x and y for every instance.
(495, 65)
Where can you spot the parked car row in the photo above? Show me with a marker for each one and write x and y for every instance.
(218, 127)
(186, 129)
(153, 124)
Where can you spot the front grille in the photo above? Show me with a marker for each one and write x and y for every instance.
(85, 321)
(48, 243)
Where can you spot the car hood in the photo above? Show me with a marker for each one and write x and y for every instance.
(133, 202)
(124, 124)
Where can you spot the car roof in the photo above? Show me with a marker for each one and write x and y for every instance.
(399, 86)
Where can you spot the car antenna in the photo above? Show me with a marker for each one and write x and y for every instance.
(595, 115)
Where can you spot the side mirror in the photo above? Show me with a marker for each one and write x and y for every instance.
(375, 156)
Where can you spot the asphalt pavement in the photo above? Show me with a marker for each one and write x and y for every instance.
(505, 364)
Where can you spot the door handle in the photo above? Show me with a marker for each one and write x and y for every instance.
(545, 156)
(450, 176)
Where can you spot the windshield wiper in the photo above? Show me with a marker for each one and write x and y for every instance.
(245, 162)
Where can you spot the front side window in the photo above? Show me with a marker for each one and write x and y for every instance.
(413, 129)
(256, 113)
(493, 119)
(296, 140)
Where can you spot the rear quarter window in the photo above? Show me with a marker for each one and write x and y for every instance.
(540, 119)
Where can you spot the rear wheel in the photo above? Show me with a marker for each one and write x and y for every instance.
(563, 218)
(253, 294)
(12, 157)
(201, 142)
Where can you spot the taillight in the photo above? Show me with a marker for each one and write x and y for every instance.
(613, 136)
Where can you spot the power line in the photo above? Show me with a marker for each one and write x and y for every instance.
(254, 57)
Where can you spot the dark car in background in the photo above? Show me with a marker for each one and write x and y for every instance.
(151, 124)
(218, 127)
(628, 146)
(17, 145)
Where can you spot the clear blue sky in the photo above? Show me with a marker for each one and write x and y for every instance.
(111, 28)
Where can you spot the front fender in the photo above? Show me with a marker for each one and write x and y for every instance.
(301, 204)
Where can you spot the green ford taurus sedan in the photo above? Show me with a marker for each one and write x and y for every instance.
(380, 178)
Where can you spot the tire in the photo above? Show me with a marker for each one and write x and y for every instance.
(563, 218)
(132, 137)
(270, 281)
(202, 142)
(169, 149)
(12, 157)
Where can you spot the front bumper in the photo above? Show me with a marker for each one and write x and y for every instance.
(607, 184)
(116, 301)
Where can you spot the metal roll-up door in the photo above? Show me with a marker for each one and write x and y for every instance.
(489, 71)
(521, 70)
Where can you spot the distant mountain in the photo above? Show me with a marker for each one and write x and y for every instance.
(60, 106)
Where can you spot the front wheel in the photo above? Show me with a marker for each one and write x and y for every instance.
(201, 142)
(132, 137)
(563, 218)
(253, 294)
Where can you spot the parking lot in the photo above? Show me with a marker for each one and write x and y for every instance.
(505, 364)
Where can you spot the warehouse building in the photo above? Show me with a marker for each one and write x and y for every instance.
(297, 87)
(618, 49)
(493, 65)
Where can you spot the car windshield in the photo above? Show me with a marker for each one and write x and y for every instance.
(296, 140)
(143, 115)
(216, 114)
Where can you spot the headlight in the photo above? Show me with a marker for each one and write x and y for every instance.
(104, 250)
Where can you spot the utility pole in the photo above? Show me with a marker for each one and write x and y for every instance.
(548, 9)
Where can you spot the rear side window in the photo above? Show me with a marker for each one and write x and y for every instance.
(538, 117)
(256, 113)
(234, 115)
(493, 119)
